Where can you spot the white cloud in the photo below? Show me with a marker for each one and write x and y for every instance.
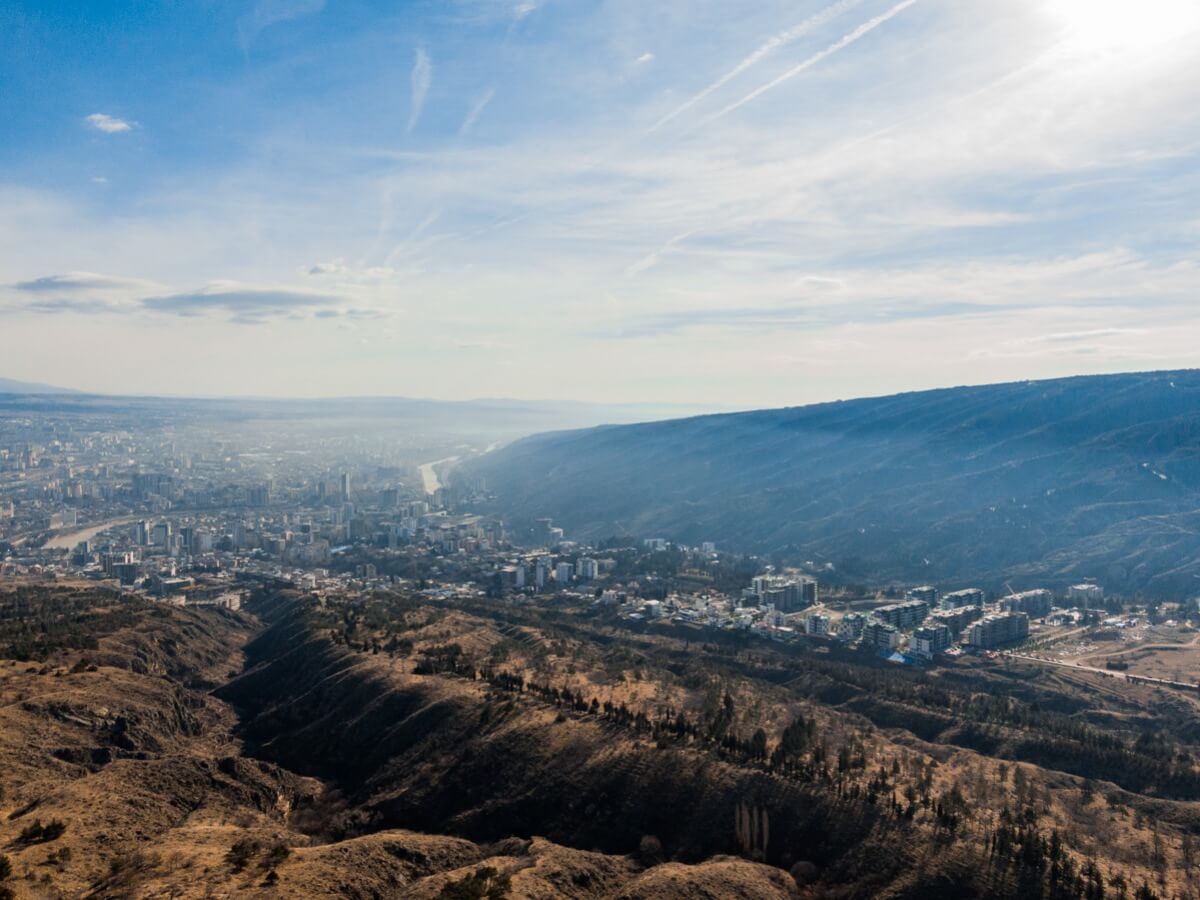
(422, 79)
(109, 124)
(644, 59)
(476, 109)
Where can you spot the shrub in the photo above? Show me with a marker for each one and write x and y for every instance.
(241, 853)
(650, 849)
(37, 833)
(484, 884)
(277, 854)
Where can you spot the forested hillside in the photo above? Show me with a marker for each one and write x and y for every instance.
(1033, 481)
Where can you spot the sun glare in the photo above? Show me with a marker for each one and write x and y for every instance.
(1119, 25)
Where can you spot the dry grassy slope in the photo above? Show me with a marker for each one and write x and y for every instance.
(153, 775)
(122, 752)
(448, 754)
(151, 783)
(406, 864)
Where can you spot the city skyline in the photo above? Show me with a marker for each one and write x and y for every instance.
(768, 205)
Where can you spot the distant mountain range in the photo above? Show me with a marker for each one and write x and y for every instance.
(1026, 483)
(493, 419)
(11, 386)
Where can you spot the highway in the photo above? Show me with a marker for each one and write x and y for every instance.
(1133, 679)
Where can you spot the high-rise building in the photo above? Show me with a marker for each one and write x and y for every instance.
(930, 640)
(965, 597)
(926, 593)
(1035, 604)
(904, 616)
(1085, 595)
(161, 534)
(956, 619)
(880, 635)
(345, 485)
(817, 624)
(851, 627)
(998, 629)
(785, 593)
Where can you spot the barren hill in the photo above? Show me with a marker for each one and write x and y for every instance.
(396, 746)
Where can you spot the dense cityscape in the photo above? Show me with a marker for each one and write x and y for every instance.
(186, 517)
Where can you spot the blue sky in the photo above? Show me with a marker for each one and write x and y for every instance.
(742, 204)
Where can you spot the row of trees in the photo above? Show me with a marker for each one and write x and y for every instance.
(1042, 867)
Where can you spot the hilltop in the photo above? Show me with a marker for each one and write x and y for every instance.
(11, 386)
(1043, 481)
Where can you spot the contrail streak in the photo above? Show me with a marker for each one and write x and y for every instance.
(772, 44)
(862, 30)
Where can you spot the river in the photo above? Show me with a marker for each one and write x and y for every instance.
(429, 475)
(67, 540)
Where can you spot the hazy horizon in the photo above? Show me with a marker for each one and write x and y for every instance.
(691, 408)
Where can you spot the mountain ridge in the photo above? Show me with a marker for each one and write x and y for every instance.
(14, 386)
(1025, 481)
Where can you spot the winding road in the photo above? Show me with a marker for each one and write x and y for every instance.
(1111, 673)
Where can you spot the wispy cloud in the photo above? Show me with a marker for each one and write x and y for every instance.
(791, 316)
(109, 124)
(1071, 337)
(525, 7)
(651, 260)
(77, 282)
(765, 49)
(1113, 343)
(272, 12)
(86, 293)
(241, 301)
(422, 79)
(476, 109)
(861, 31)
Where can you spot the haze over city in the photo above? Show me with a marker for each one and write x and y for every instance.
(734, 205)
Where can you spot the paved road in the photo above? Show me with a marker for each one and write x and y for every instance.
(1125, 676)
